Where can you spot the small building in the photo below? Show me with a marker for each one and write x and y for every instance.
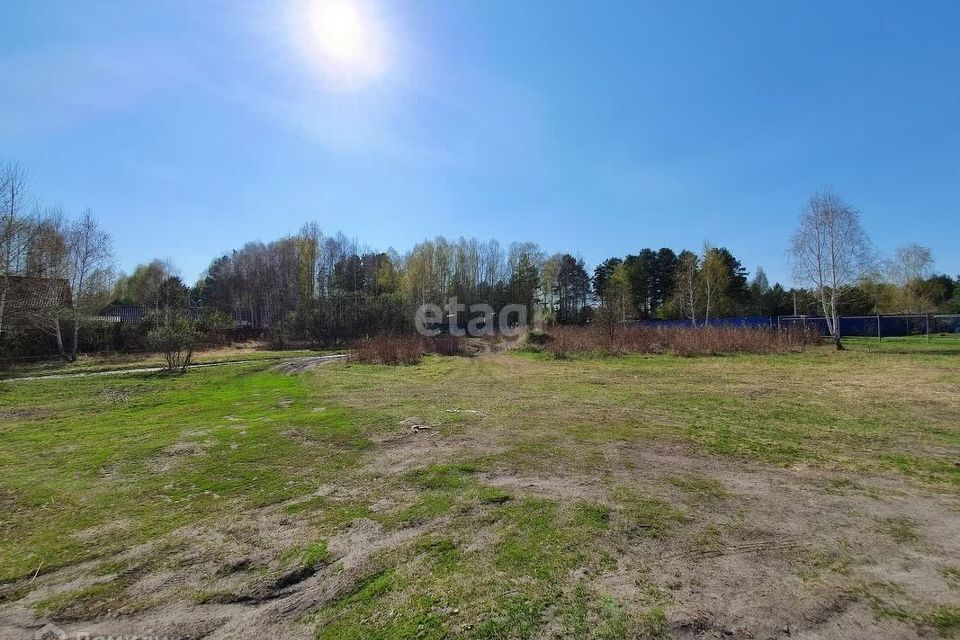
(119, 312)
(28, 295)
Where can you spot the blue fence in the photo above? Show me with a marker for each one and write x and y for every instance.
(882, 326)
(744, 321)
(866, 326)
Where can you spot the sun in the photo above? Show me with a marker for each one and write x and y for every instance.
(344, 39)
(341, 32)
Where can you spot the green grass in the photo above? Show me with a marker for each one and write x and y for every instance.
(952, 576)
(315, 554)
(95, 363)
(79, 455)
(901, 529)
(942, 619)
(647, 515)
(442, 476)
(937, 343)
(526, 521)
(595, 516)
(700, 488)
(98, 598)
(438, 585)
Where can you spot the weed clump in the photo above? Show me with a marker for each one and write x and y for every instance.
(682, 341)
(538, 337)
(388, 348)
(398, 348)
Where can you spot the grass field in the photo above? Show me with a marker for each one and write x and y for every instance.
(936, 343)
(94, 363)
(505, 496)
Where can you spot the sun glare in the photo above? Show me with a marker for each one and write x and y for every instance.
(344, 39)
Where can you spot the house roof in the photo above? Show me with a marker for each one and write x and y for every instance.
(36, 294)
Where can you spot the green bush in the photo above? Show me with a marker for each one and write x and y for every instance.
(216, 327)
(176, 340)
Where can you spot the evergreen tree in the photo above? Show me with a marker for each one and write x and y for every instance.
(573, 289)
(758, 289)
(664, 278)
(602, 274)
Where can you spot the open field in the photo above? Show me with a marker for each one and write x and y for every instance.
(94, 363)
(937, 343)
(510, 495)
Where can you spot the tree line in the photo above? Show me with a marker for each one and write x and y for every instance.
(328, 288)
(54, 270)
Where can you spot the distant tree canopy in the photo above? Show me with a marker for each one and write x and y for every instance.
(667, 285)
(329, 288)
(573, 289)
(155, 284)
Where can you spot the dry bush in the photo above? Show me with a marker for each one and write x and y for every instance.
(682, 341)
(388, 348)
(396, 348)
(445, 345)
(538, 337)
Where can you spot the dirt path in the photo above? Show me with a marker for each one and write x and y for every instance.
(303, 362)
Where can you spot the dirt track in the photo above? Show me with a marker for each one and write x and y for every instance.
(305, 363)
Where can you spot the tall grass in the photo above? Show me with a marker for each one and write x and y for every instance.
(399, 348)
(681, 341)
(387, 348)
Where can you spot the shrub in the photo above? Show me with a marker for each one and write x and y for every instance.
(682, 341)
(388, 348)
(216, 327)
(176, 340)
(445, 344)
(278, 336)
(538, 337)
(399, 348)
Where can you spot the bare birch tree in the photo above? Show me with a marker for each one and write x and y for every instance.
(16, 227)
(616, 301)
(715, 279)
(548, 283)
(907, 272)
(830, 253)
(48, 267)
(91, 267)
(308, 242)
(910, 263)
(688, 285)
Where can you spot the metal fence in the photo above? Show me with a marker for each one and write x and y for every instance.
(873, 326)
(881, 325)
(741, 321)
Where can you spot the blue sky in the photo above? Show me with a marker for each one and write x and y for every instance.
(597, 128)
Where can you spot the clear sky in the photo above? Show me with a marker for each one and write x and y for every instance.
(597, 128)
